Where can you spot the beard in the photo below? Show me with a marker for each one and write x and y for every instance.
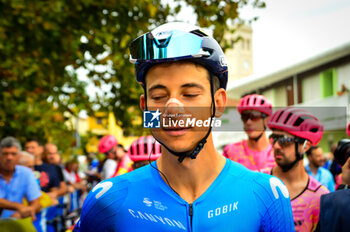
(284, 163)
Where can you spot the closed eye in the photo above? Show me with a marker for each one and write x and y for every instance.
(191, 95)
(156, 98)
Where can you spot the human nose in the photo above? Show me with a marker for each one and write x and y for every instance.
(173, 105)
(248, 121)
(174, 102)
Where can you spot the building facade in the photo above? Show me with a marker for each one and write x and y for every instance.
(321, 84)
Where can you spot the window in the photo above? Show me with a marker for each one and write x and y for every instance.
(243, 43)
(328, 80)
(99, 120)
(246, 65)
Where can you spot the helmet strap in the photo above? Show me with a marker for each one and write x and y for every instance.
(145, 94)
(195, 151)
(297, 159)
(261, 134)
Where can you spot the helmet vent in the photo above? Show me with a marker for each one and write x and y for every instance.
(301, 119)
(289, 115)
(248, 101)
(145, 148)
(153, 148)
(314, 130)
(298, 121)
(137, 150)
(279, 116)
(254, 101)
(199, 33)
(262, 101)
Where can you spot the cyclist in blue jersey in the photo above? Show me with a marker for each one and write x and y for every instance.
(191, 187)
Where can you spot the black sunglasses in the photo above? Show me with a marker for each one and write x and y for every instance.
(252, 116)
(284, 140)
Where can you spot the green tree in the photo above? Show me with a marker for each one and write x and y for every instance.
(44, 43)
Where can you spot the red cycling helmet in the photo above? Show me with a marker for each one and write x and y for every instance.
(297, 122)
(144, 148)
(348, 129)
(255, 102)
(107, 143)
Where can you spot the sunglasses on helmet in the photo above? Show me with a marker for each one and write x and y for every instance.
(284, 140)
(169, 44)
(254, 115)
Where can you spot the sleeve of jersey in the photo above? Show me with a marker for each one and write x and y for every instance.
(101, 205)
(273, 204)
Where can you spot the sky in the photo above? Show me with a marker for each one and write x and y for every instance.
(290, 31)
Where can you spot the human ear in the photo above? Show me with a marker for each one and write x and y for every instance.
(142, 102)
(306, 146)
(220, 99)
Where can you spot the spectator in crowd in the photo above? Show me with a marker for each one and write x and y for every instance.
(49, 178)
(294, 131)
(335, 207)
(52, 157)
(315, 169)
(107, 145)
(93, 164)
(51, 154)
(334, 167)
(256, 152)
(72, 177)
(123, 160)
(26, 159)
(330, 157)
(93, 177)
(16, 183)
(117, 163)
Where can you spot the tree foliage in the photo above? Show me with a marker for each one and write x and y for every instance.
(44, 43)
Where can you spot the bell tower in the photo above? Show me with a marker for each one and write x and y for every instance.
(240, 57)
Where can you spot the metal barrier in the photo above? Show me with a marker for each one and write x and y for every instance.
(60, 217)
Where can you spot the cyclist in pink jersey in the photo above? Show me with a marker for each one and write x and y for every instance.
(256, 153)
(117, 162)
(294, 132)
(124, 163)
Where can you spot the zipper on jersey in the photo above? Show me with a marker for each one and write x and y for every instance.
(191, 214)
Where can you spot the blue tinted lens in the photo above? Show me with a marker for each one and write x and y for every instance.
(177, 44)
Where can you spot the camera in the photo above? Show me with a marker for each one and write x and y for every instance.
(342, 152)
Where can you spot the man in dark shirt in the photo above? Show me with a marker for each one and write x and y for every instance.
(51, 156)
(335, 207)
(49, 178)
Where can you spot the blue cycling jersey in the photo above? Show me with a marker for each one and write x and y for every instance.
(238, 200)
